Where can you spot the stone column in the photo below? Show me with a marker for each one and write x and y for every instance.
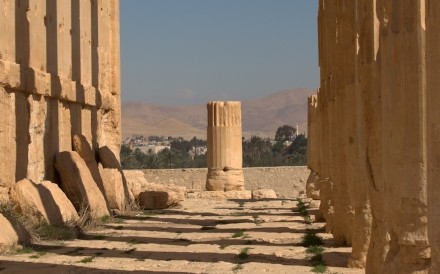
(433, 129)
(224, 147)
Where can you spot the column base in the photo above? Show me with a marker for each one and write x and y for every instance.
(225, 180)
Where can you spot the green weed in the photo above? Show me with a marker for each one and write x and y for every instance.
(87, 260)
(244, 253)
(238, 234)
(237, 267)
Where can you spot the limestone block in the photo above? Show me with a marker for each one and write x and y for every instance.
(37, 133)
(83, 148)
(12, 234)
(78, 184)
(4, 195)
(114, 188)
(109, 160)
(7, 135)
(156, 196)
(8, 237)
(312, 190)
(224, 147)
(136, 181)
(43, 202)
(260, 194)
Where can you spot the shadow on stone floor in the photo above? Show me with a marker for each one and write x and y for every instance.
(184, 241)
(211, 230)
(11, 267)
(207, 257)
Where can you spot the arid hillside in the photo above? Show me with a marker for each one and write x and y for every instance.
(261, 116)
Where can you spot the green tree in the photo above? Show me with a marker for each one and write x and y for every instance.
(298, 150)
(285, 133)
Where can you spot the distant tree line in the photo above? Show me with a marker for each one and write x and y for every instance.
(177, 156)
(288, 149)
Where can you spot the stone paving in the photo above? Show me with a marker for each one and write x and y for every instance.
(202, 236)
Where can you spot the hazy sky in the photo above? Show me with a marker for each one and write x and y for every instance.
(193, 51)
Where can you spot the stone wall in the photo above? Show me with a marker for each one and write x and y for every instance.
(286, 181)
(59, 76)
(374, 129)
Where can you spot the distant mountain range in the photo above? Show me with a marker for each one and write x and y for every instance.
(260, 116)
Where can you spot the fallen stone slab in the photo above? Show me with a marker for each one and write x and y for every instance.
(83, 148)
(135, 181)
(43, 202)
(4, 196)
(260, 194)
(109, 160)
(78, 184)
(12, 234)
(156, 196)
(114, 188)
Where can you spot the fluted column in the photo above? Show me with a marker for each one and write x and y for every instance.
(224, 147)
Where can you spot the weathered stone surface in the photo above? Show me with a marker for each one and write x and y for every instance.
(8, 237)
(157, 196)
(312, 190)
(12, 234)
(377, 122)
(287, 181)
(114, 188)
(43, 202)
(4, 194)
(82, 147)
(225, 180)
(224, 147)
(136, 181)
(78, 184)
(259, 194)
(223, 195)
(53, 88)
(108, 159)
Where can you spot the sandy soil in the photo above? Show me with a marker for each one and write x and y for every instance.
(201, 236)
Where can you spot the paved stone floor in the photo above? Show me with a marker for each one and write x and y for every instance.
(201, 236)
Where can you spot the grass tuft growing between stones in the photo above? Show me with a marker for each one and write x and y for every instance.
(244, 253)
(320, 268)
(257, 220)
(302, 208)
(237, 267)
(24, 250)
(87, 260)
(240, 234)
(311, 239)
(45, 231)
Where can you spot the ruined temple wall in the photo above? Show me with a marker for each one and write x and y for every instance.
(386, 127)
(287, 182)
(59, 76)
